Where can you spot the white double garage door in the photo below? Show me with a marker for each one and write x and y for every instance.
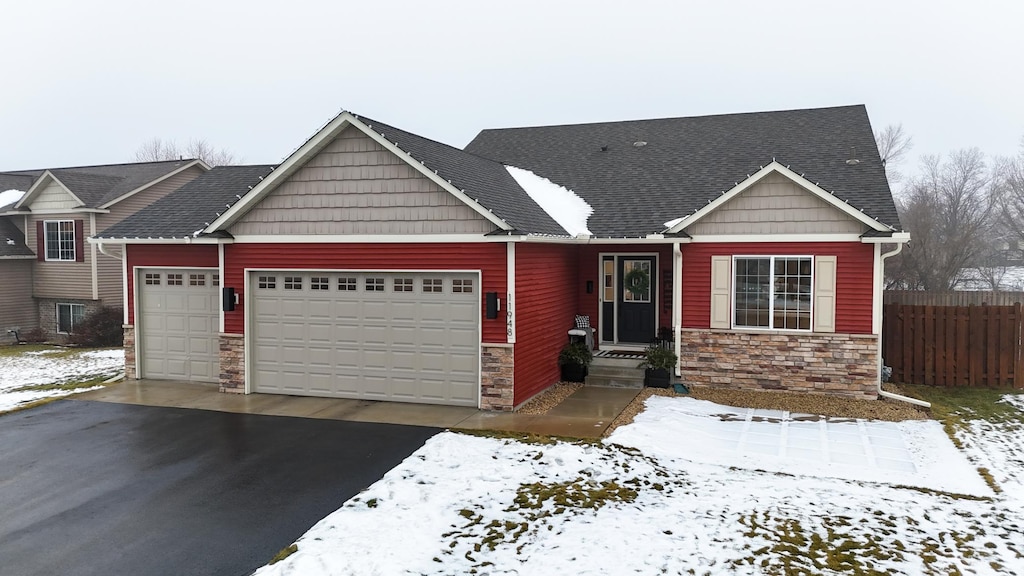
(398, 336)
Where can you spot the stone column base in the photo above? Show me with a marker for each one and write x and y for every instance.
(232, 363)
(497, 391)
(129, 352)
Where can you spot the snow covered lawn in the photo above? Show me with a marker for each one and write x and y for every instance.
(30, 373)
(671, 493)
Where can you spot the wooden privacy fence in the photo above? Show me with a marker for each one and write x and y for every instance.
(955, 298)
(977, 346)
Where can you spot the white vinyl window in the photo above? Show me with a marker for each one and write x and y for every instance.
(69, 316)
(59, 236)
(772, 292)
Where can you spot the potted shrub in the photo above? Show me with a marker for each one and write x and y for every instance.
(574, 359)
(659, 361)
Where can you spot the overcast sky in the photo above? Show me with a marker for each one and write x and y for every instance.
(88, 82)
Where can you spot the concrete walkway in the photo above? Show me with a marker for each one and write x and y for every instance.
(585, 414)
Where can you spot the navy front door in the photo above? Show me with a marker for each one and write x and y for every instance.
(636, 301)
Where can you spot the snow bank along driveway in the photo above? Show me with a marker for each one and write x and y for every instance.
(21, 371)
(689, 486)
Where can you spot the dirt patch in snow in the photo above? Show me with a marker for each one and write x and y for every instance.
(882, 409)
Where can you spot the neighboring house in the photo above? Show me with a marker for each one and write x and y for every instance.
(52, 277)
(377, 264)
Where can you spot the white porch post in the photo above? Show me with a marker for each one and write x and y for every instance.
(677, 300)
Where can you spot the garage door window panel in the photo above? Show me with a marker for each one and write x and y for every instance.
(267, 282)
(347, 284)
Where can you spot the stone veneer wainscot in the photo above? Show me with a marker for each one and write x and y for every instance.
(497, 364)
(815, 363)
(232, 363)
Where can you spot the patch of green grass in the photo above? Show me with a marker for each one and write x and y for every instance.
(88, 382)
(53, 351)
(960, 403)
(284, 553)
(30, 405)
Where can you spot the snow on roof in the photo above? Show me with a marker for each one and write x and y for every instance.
(672, 223)
(563, 205)
(10, 196)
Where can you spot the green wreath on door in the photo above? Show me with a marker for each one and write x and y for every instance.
(637, 281)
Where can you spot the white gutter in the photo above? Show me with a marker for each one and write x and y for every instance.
(878, 311)
(677, 300)
(102, 247)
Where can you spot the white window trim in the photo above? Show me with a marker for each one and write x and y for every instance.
(46, 241)
(771, 296)
(56, 311)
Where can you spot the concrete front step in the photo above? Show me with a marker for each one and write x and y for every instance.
(615, 377)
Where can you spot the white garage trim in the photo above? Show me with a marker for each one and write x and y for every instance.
(457, 389)
(138, 286)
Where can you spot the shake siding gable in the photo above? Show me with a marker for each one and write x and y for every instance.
(488, 258)
(355, 186)
(776, 205)
(854, 278)
(546, 303)
(157, 256)
(54, 197)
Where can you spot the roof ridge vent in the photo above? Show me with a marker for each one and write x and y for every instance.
(853, 161)
(639, 144)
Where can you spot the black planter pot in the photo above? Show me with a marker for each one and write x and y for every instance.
(574, 373)
(656, 378)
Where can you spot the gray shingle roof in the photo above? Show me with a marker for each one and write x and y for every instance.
(635, 189)
(15, 181)
(10, 233)
(192, 207)
(482, 179)
(97, 185)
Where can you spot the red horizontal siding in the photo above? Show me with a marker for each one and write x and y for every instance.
(158, 255)
(488, 258)
(854, 278)
(546, 304)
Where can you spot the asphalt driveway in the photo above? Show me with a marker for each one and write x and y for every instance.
(102, 488)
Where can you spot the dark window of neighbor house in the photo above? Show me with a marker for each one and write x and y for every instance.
(60, 240)
(772, 292)
(69, 316)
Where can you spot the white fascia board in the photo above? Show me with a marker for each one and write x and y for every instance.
(189, 240)
(314, 145)
(896, 238)
(775, 166)
(68, 211)
(38, 185)
(194, 163)
(17, 257)
(758, 238)
(366, 238)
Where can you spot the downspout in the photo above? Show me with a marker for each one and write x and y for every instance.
(677, 301)
(102, 247)
(878, 311)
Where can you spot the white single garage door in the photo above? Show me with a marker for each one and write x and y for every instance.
(178, 324)
(405, 337)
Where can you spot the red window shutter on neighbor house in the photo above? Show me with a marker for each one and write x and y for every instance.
(79, 241)
(40, 241)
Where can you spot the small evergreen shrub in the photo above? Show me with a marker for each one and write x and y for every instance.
(100, 329)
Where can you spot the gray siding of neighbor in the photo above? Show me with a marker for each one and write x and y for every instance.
(61, 279)
(108, 270)
(776, 205)
(355, 186)
(17, 309)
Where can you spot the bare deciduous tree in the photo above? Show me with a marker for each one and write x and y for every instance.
(893, 145)
(949, 214)
(157, 149)
(1010, 192)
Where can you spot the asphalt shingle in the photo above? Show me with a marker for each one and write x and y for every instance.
(12, 240)
(192, 207)
(639, 174)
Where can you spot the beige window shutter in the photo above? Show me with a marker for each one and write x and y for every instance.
(721, 281)
(825, 294)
